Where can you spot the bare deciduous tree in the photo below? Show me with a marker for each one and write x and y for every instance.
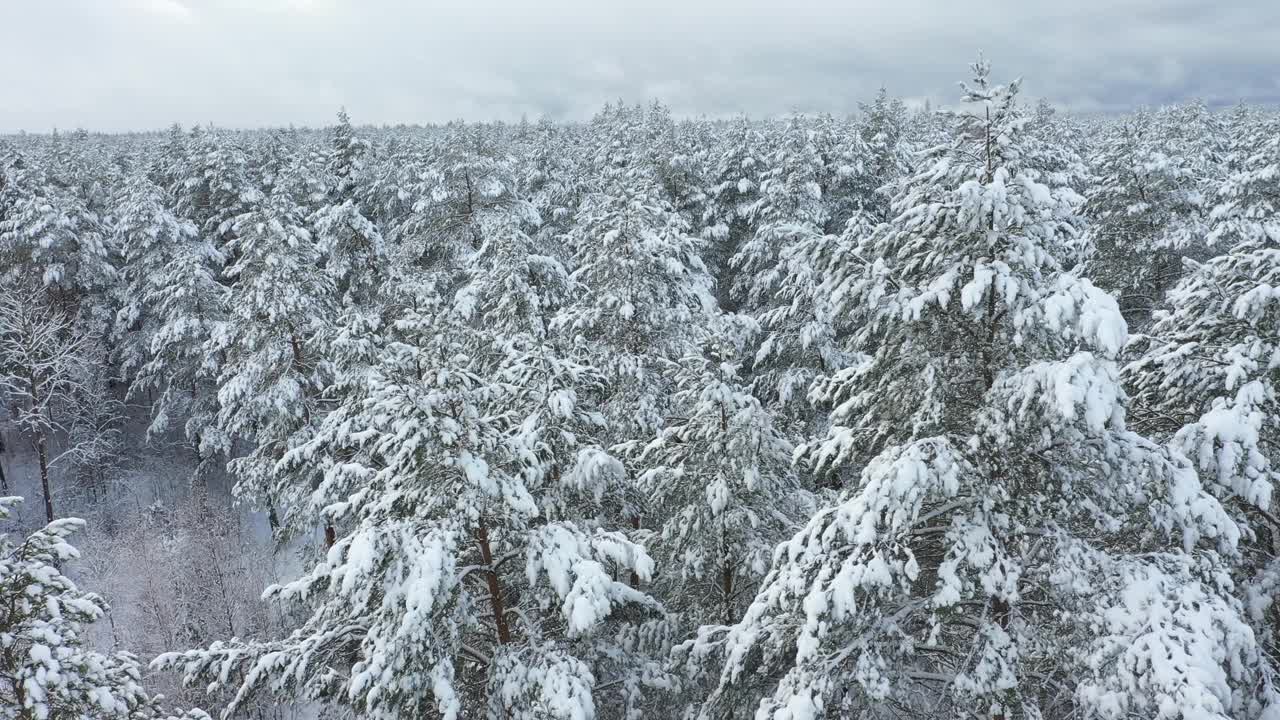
(41, 369)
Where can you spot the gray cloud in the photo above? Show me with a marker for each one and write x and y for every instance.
(128, 64)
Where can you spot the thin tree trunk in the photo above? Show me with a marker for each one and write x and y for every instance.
(42, 451)
(635, 578)
(726, 587)
(42, 446)
(1001, 610)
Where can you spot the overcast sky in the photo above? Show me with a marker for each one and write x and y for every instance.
(134, 64)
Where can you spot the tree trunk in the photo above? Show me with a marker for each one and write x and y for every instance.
(495, 588)
(1001, 610)
(635, 579)
(726, 588)
(42, 451)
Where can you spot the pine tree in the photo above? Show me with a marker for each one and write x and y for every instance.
(1147, 213)
(215, 189)
(553, 178)
(727, 220)
(48, 670)
(1247, 199)
(453, 589)
(346, 159)
(677, 161)
(1206, 378)
(1006, 546)
(788, 211)
(719, 477)
(843, 157)
(515, 284)
(778, 278)
(355, 254)
(272, 370)
(171, 163)
(149, 236)
(469, 179)
(389, 192)
(885, 135)
(47, 232)
(173, 307)
(645, 295)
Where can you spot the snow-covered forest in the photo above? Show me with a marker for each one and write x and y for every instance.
(908, 414)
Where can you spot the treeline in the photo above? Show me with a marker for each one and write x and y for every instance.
(907, 414)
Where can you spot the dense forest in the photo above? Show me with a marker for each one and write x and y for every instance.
(909, 414)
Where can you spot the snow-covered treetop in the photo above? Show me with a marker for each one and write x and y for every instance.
(971, 263)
